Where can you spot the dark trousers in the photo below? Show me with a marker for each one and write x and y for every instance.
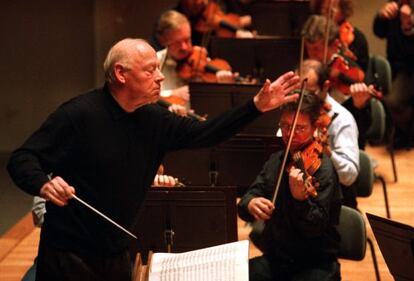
(263, 269)
(54, 264)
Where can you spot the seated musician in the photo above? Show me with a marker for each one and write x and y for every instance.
(347, 79)
(340, 11)
(174, 33)
(207, 17)
(300, 241)
(342, 132)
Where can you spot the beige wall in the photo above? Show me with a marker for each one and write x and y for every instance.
(363, 18)
(45, 58)
(53, 50)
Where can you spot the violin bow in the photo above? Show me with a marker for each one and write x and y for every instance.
(292, 131)
(327, 27)
(204, 40)
(302, 54)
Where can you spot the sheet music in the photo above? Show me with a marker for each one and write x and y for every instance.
(227, 262)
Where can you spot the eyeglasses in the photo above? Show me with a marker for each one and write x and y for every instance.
(299, 129)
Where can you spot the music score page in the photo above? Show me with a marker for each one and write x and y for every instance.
(227, 262)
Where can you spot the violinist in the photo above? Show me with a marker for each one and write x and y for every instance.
(394, 22)
(207, 17)
(300, 241)
(340, 12)
(347, 79)
(342, 132)
(174, 33)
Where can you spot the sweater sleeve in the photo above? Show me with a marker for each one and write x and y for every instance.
(380, 26)
(188, 133)
(29, 165)
(261, 187)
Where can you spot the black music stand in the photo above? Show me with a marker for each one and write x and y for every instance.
(279, 17)
(396, 242)
(214, 98)
(235, 162)
(184, 219)
(262, 58)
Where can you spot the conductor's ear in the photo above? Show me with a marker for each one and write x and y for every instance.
(119, 73)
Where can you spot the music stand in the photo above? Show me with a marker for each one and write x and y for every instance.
(215, 98)
(236, 162)
(184, 219)
(281, 18)
(396, 242)
(262, 58)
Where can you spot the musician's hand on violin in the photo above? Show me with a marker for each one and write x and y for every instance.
(225, 76)
(272, 95)
(164, 180)
(389, 10)
(260, 208)
(245, 20)
(241, 33)
(182, 92)
(297, 184)
(58, 191)
(360, 94)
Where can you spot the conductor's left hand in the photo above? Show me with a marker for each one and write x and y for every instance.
(272, 95)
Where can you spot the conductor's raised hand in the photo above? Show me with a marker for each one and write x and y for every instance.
(58, 191)
(272, 95)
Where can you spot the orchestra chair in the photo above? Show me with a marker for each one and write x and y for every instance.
(354, 238)
(364, 183)
(382, 129)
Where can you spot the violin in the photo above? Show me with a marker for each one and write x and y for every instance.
(198, 65)
(210, 17)
(344, 72)
(308, 161)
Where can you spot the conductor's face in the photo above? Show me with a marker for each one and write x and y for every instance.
(144, 77)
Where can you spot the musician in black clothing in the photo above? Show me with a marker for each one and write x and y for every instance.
(341, 11)
(300, 241)
(353, 95)
(395, 23)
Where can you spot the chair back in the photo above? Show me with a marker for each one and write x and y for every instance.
(376, 132)
(365, 180)
(353, 234)
(379, 73)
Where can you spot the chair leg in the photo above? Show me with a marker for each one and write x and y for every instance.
(374, 258)
(390, 148)
(384, 189)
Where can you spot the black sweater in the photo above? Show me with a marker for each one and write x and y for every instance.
(400, 48)
(110, 157)
(298, 232)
